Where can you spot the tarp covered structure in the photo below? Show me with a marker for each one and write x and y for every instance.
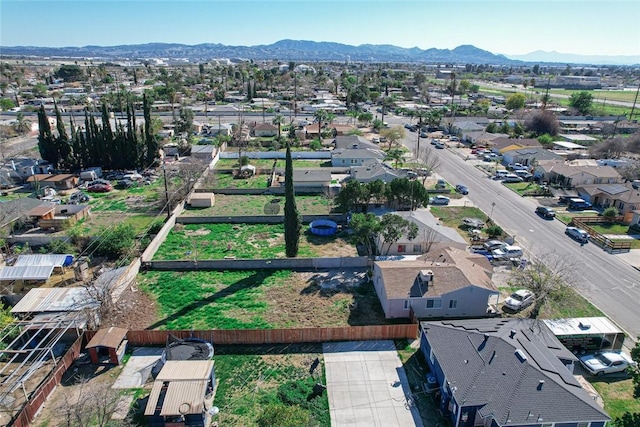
(34, 272)
(55, 260)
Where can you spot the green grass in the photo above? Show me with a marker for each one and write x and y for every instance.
(136, 199)
(240, 205)
(211, 299)
(522, 188)
(226, 180)
(610, 228)
(599, 95)
(246, 241)
(617, 396)
(569, 303)
(451, 216)
(566, 217)
(249, 383)
(233, 163)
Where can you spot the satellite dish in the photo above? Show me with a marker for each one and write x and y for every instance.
(214, 411)
(184, 408)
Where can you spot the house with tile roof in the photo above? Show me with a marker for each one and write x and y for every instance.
(506, 372)
(448, 281)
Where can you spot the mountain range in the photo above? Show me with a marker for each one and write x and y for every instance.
(304, 50)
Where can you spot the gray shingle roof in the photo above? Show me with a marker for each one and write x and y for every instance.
(354, 141)
(516, 376)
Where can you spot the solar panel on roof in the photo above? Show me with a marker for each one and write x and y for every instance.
(613, 188)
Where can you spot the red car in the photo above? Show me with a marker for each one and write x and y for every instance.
(100, 188)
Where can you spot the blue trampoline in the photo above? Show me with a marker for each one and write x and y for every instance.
(323, 227)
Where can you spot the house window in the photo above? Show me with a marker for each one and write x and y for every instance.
(406, 304)
(453, 303)
(417, 248)
(547, 425)
(621, 206)
(583, 424)
(402, 248)
(434, 303)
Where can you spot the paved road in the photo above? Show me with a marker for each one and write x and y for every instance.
(605, 280)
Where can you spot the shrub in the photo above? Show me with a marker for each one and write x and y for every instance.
(283, 416)
(315, 145)
(115, 242)
(494, 231)
(244, 160)
(610, 213)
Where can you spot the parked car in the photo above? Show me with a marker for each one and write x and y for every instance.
(519, 300)
(606, 362)
(441, 183)
(577, 204)
(577, 233)
(511, 178)
(78, 197)
(454, 139)
(492, 245)
(439, 200)
(462, 189)
(440, 145)
(434, 141)
(100, 188)
(507, 252)
(423, 135)
(546, 212)
(126, 183)
(563, 200)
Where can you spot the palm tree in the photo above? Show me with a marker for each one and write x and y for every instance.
(352, 114)
(396, 155)
(278, 120)
(22, 125)
(320, 115)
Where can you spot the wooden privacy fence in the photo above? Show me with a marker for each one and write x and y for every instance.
(276, 336)
(609, 245)
(28, 412)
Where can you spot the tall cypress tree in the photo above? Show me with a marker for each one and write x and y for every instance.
(292, 223)
(62, 143)
(151, 144)
(46, 143)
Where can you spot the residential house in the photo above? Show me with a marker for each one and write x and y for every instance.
(63, 216)
(446, 282)
(506, 372)
(460, 127)
(505, 144)
(430, 231)
(339, 130)
(203, 152)
(63, 181)
(224, 129)
(306, 179)
(353, 142)
(527, 156)
(621, 196)
(265, 129)
(372, 170)
(355, 157)
(568, 175)
(579, 138)
(477, 137)
(179, 394)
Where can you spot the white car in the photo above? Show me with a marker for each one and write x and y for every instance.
(577, 233)
(439, 200)
(606, 362)
(519, 300)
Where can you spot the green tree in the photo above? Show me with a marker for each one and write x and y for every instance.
(581, 101)
(320, 115)
(185, 121)
(394, 135)
(292, 223)
(610, 213)
(354, 196)
(114, 243)
(635, 371)
(46, 142)
(150, 140)
(395, 155)
(546, 140)
(278, 120)
(515, 101)
(365, 118)
(69, 73)
(541, 122)
(6, 104)
(393, 227)
(39, 90)
(365, 228)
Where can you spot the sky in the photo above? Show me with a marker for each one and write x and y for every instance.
(587, 27)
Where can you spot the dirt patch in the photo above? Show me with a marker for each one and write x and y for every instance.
(325, 299)
(198, 232)
(136, 310)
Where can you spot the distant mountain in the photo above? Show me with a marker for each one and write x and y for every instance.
(299, 50)
(570, 58)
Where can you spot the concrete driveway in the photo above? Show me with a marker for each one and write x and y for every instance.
(367, 385)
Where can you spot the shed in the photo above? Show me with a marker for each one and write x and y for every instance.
(202, 200)
(586, 334)
(109, 342)
(179, 392)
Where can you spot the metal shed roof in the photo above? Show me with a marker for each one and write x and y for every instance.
(184, 370)
(34, 272)
(180, 397)
(55, 260)
(54, 299)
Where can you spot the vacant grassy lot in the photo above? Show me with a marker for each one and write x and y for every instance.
(227, 180)
(617, 395)
(92, 225)
(141, 199)
(451, 216)
(612, 95)
(268, 163)
(240, 205)
(263, 299)
(522, 188)
(245, 241)
(267, 379)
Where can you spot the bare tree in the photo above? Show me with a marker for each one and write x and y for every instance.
(180, 181)
(428, 159)
(548, 277)
(91, 406)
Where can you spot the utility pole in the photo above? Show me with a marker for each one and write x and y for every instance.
(166, 189)
(295, 95)
(633, 108)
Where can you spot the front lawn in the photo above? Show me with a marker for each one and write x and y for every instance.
(617, 395)
(241, 205)
(227, 180)
(451, 216)
(523, 188)
(566, 216)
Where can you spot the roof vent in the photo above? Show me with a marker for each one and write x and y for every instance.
(520, 355)
(583, 325)
(512, 334)
(540, 384)
(426, 275)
